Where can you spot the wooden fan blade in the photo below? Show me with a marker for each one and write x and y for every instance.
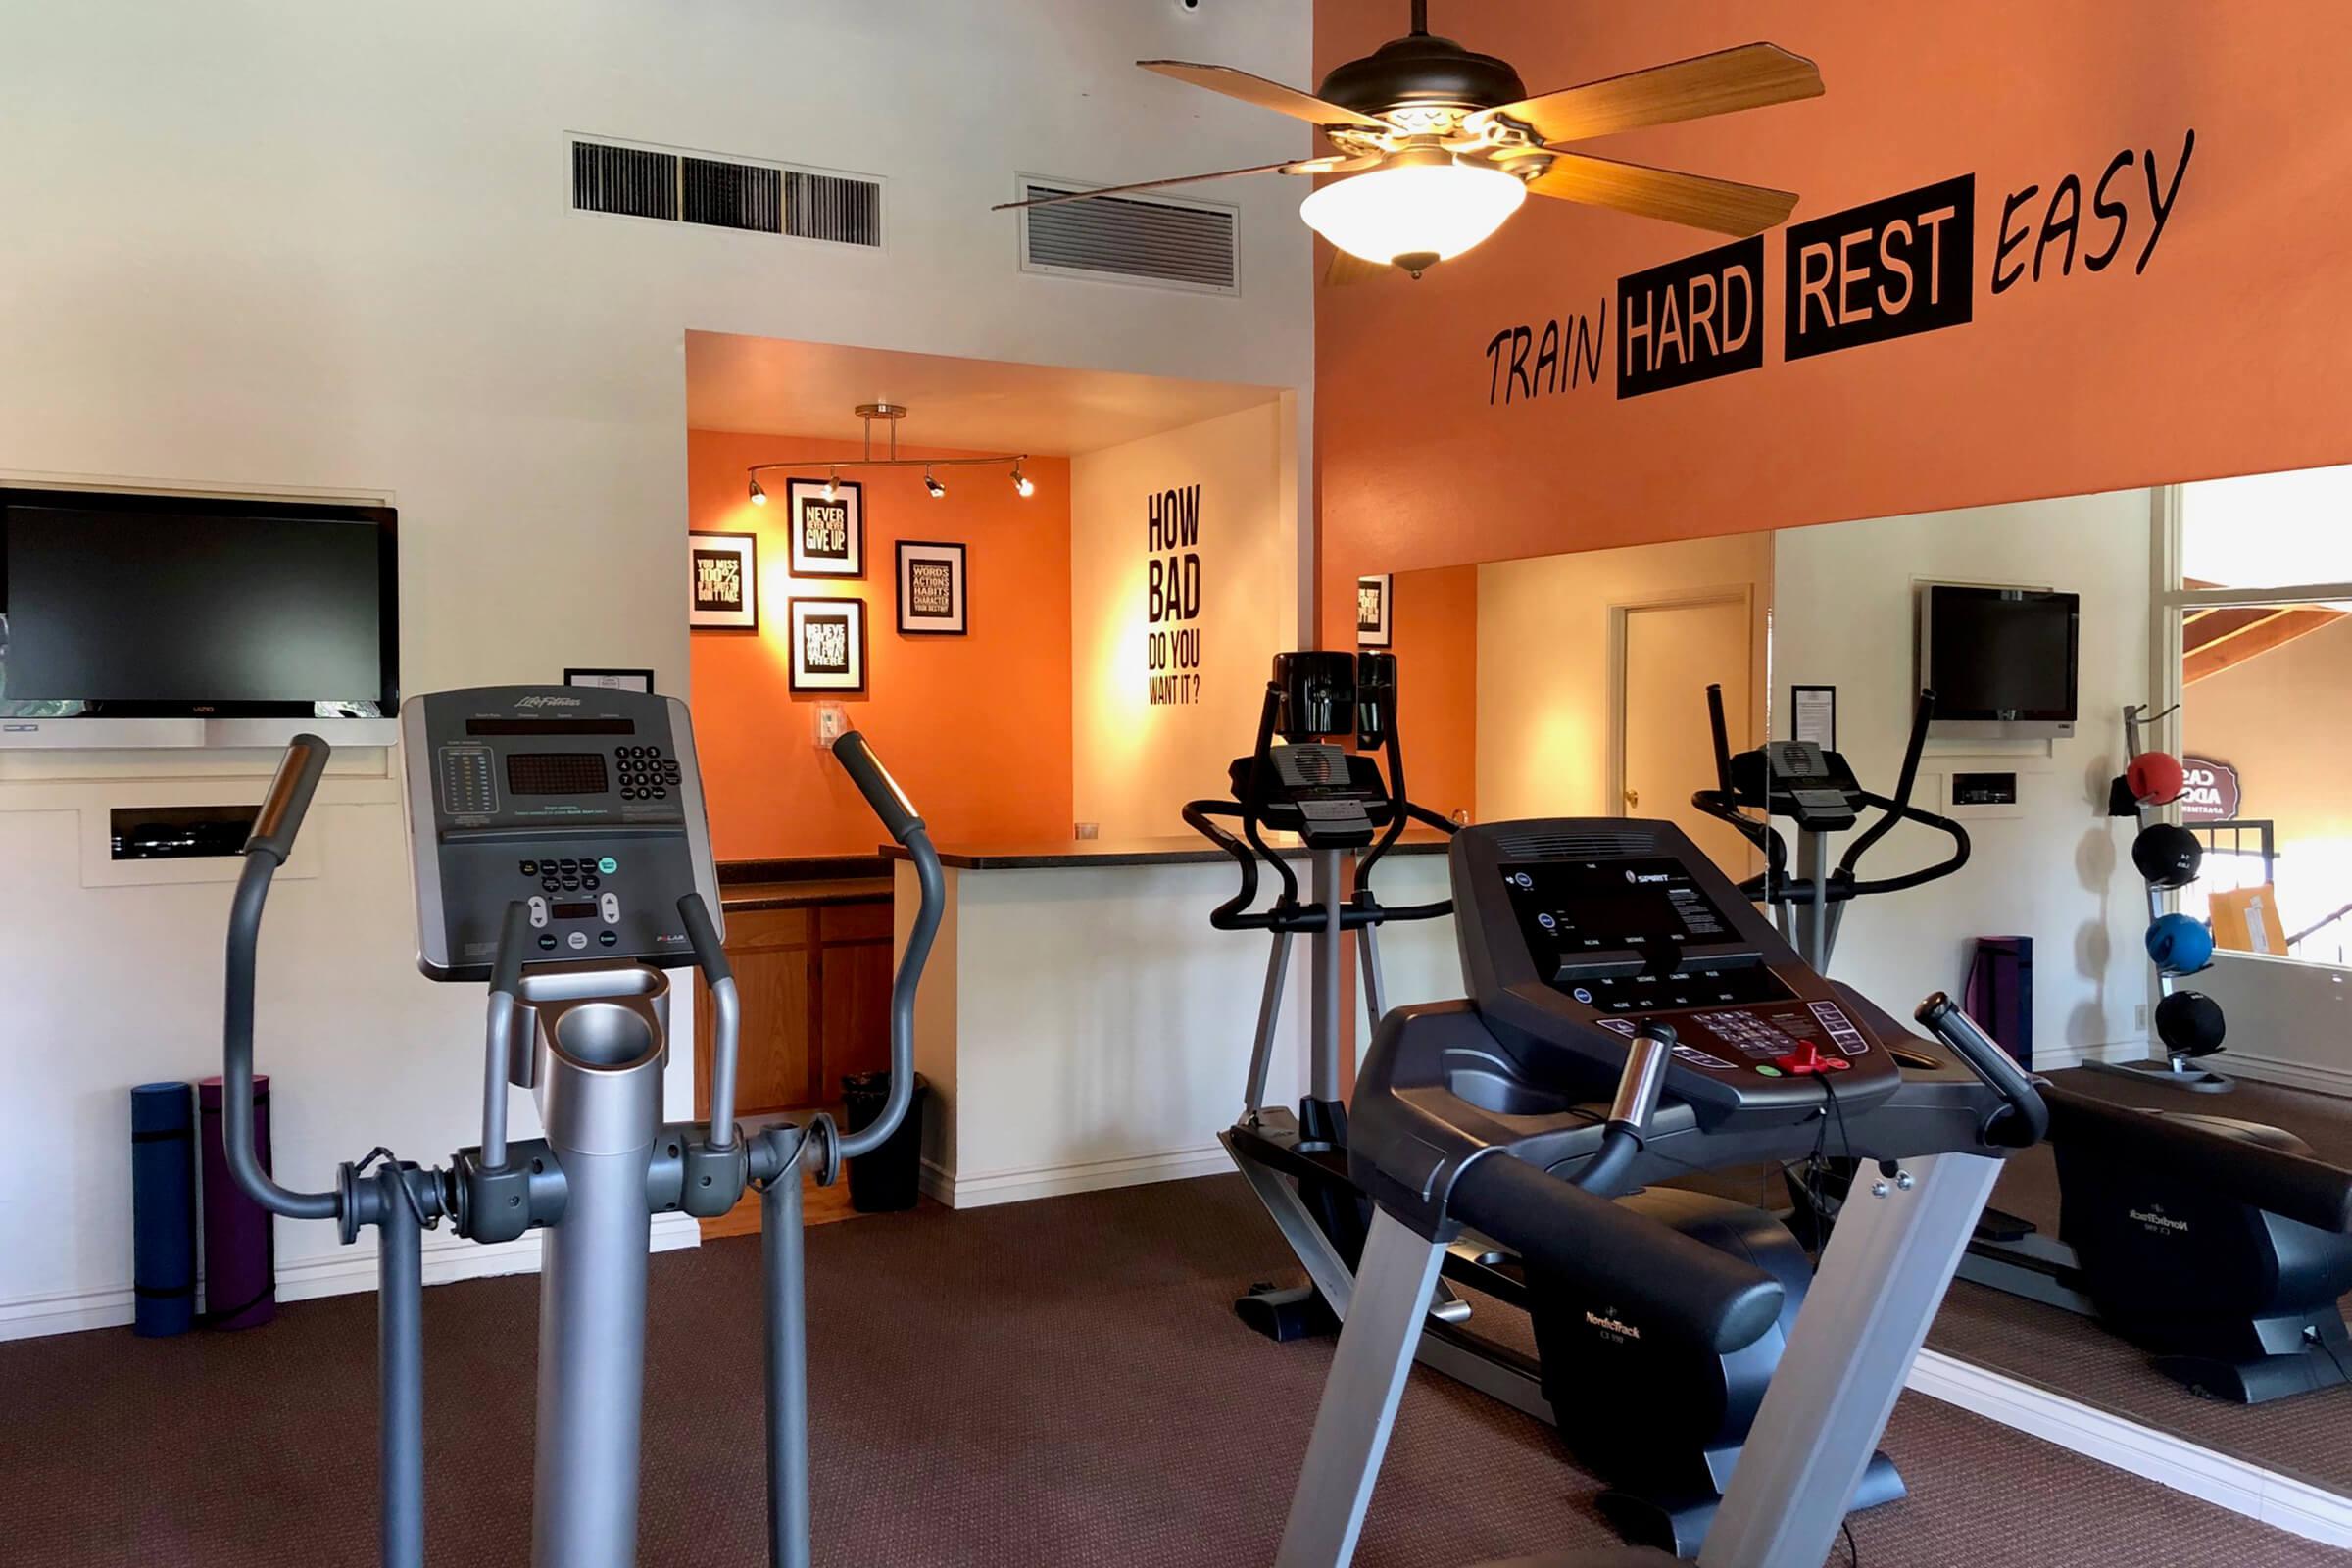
(1750, 77)
(1722, 205)
(1348, 267)
(1337, 163)
(1263, 93)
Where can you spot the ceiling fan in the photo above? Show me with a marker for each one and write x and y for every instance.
(1440, 144)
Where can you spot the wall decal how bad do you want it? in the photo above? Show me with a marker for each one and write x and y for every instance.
(1173, 597)
(1894, 266)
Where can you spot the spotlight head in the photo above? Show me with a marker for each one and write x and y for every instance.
(1022, 484)
(759, 496)
(937, 489)
(833, 485)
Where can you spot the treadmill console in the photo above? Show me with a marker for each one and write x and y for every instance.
(1574, 933)
(582, 803)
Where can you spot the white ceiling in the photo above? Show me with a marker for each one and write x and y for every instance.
(772, 386)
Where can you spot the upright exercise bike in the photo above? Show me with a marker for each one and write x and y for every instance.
(559, 853)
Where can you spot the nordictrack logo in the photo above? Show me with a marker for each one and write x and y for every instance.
(1610, 1323)
(2158, 1219)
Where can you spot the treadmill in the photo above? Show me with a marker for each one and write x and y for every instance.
(1633, 1017)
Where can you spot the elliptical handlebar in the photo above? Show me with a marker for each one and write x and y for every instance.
(274, 829)
(908, 828)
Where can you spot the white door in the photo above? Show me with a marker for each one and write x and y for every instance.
(1669, 653)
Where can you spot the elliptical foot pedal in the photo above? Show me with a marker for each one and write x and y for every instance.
(1282, 1316)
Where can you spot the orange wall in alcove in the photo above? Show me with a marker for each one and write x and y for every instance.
(977, 728)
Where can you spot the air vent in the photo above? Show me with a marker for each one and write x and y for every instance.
(1535, 844)
(725, 193)
(1131, 239)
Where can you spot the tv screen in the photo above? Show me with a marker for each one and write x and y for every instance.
(2001, 653)
(165, 607)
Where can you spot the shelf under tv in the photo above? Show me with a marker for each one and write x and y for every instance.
(85, 734)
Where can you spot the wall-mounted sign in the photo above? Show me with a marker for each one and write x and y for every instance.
(722, 590)
(1375, 604)
(828, 531)
(1690, 320)
(2212, 793)
(1887, 268)
(1172, 647)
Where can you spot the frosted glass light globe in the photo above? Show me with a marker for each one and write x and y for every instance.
(1432, 210)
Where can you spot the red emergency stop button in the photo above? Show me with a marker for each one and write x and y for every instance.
(1808, 1057)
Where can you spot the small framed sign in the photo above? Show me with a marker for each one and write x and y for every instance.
(1375, 604)
(932, 598)
(1813, 715)
(723, 582)
(612, 680)
(828, 644)
(828, 532)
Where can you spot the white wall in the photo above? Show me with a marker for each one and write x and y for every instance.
(2060, 871)
(1136, 763)
(1544, 700)
(326, 247)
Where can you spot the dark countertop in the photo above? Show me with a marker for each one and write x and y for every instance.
(803, 893)
(804, 882)
(1183, 849)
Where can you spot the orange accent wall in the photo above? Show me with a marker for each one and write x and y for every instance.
(2225, 356)
(977, 728)
(1434, 623)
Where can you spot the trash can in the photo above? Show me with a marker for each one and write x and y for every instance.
(890, 1177)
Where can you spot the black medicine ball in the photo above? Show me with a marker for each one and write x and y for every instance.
(2168, 855)
(2190, 1021)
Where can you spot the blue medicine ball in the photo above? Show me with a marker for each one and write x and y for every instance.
(2180, 944)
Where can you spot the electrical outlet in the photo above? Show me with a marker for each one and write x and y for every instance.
(2139, 1016)
(832, 722)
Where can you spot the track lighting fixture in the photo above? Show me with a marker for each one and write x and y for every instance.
(890, 413)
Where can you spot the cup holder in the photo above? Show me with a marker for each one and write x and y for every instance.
(604, 1033)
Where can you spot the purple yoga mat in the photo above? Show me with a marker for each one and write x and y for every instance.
(241, 1259)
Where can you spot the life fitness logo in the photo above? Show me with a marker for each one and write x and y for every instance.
(544, 700)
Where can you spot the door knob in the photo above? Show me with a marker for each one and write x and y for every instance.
(1632, 798)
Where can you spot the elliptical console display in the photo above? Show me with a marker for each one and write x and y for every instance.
(584, 804)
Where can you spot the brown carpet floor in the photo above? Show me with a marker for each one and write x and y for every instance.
(2309, 1436)
(1041, 1384)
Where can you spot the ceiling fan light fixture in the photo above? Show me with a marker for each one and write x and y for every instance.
(1414, 211)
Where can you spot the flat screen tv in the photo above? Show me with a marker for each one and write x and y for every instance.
(146, 607)
(2001, 657)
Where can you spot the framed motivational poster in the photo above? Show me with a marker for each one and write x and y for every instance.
(723, 591)
(828, 531)
(1375, 601)
(828, 644)
(932, 597)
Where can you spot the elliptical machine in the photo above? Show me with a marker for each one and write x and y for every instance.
(1296, 780)
(560, 852)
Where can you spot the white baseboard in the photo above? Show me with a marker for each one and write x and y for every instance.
(2057, 1057)
(2297, 1506)
(1085, 1176)
(2320, 1077)
(447, 1257)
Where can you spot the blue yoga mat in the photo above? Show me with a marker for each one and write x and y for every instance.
(163, 1208)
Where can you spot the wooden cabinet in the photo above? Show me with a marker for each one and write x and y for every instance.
(814, 986)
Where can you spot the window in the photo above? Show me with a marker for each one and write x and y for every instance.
(2258, 612)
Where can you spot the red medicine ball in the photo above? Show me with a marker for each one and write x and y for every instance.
(2154, 779)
